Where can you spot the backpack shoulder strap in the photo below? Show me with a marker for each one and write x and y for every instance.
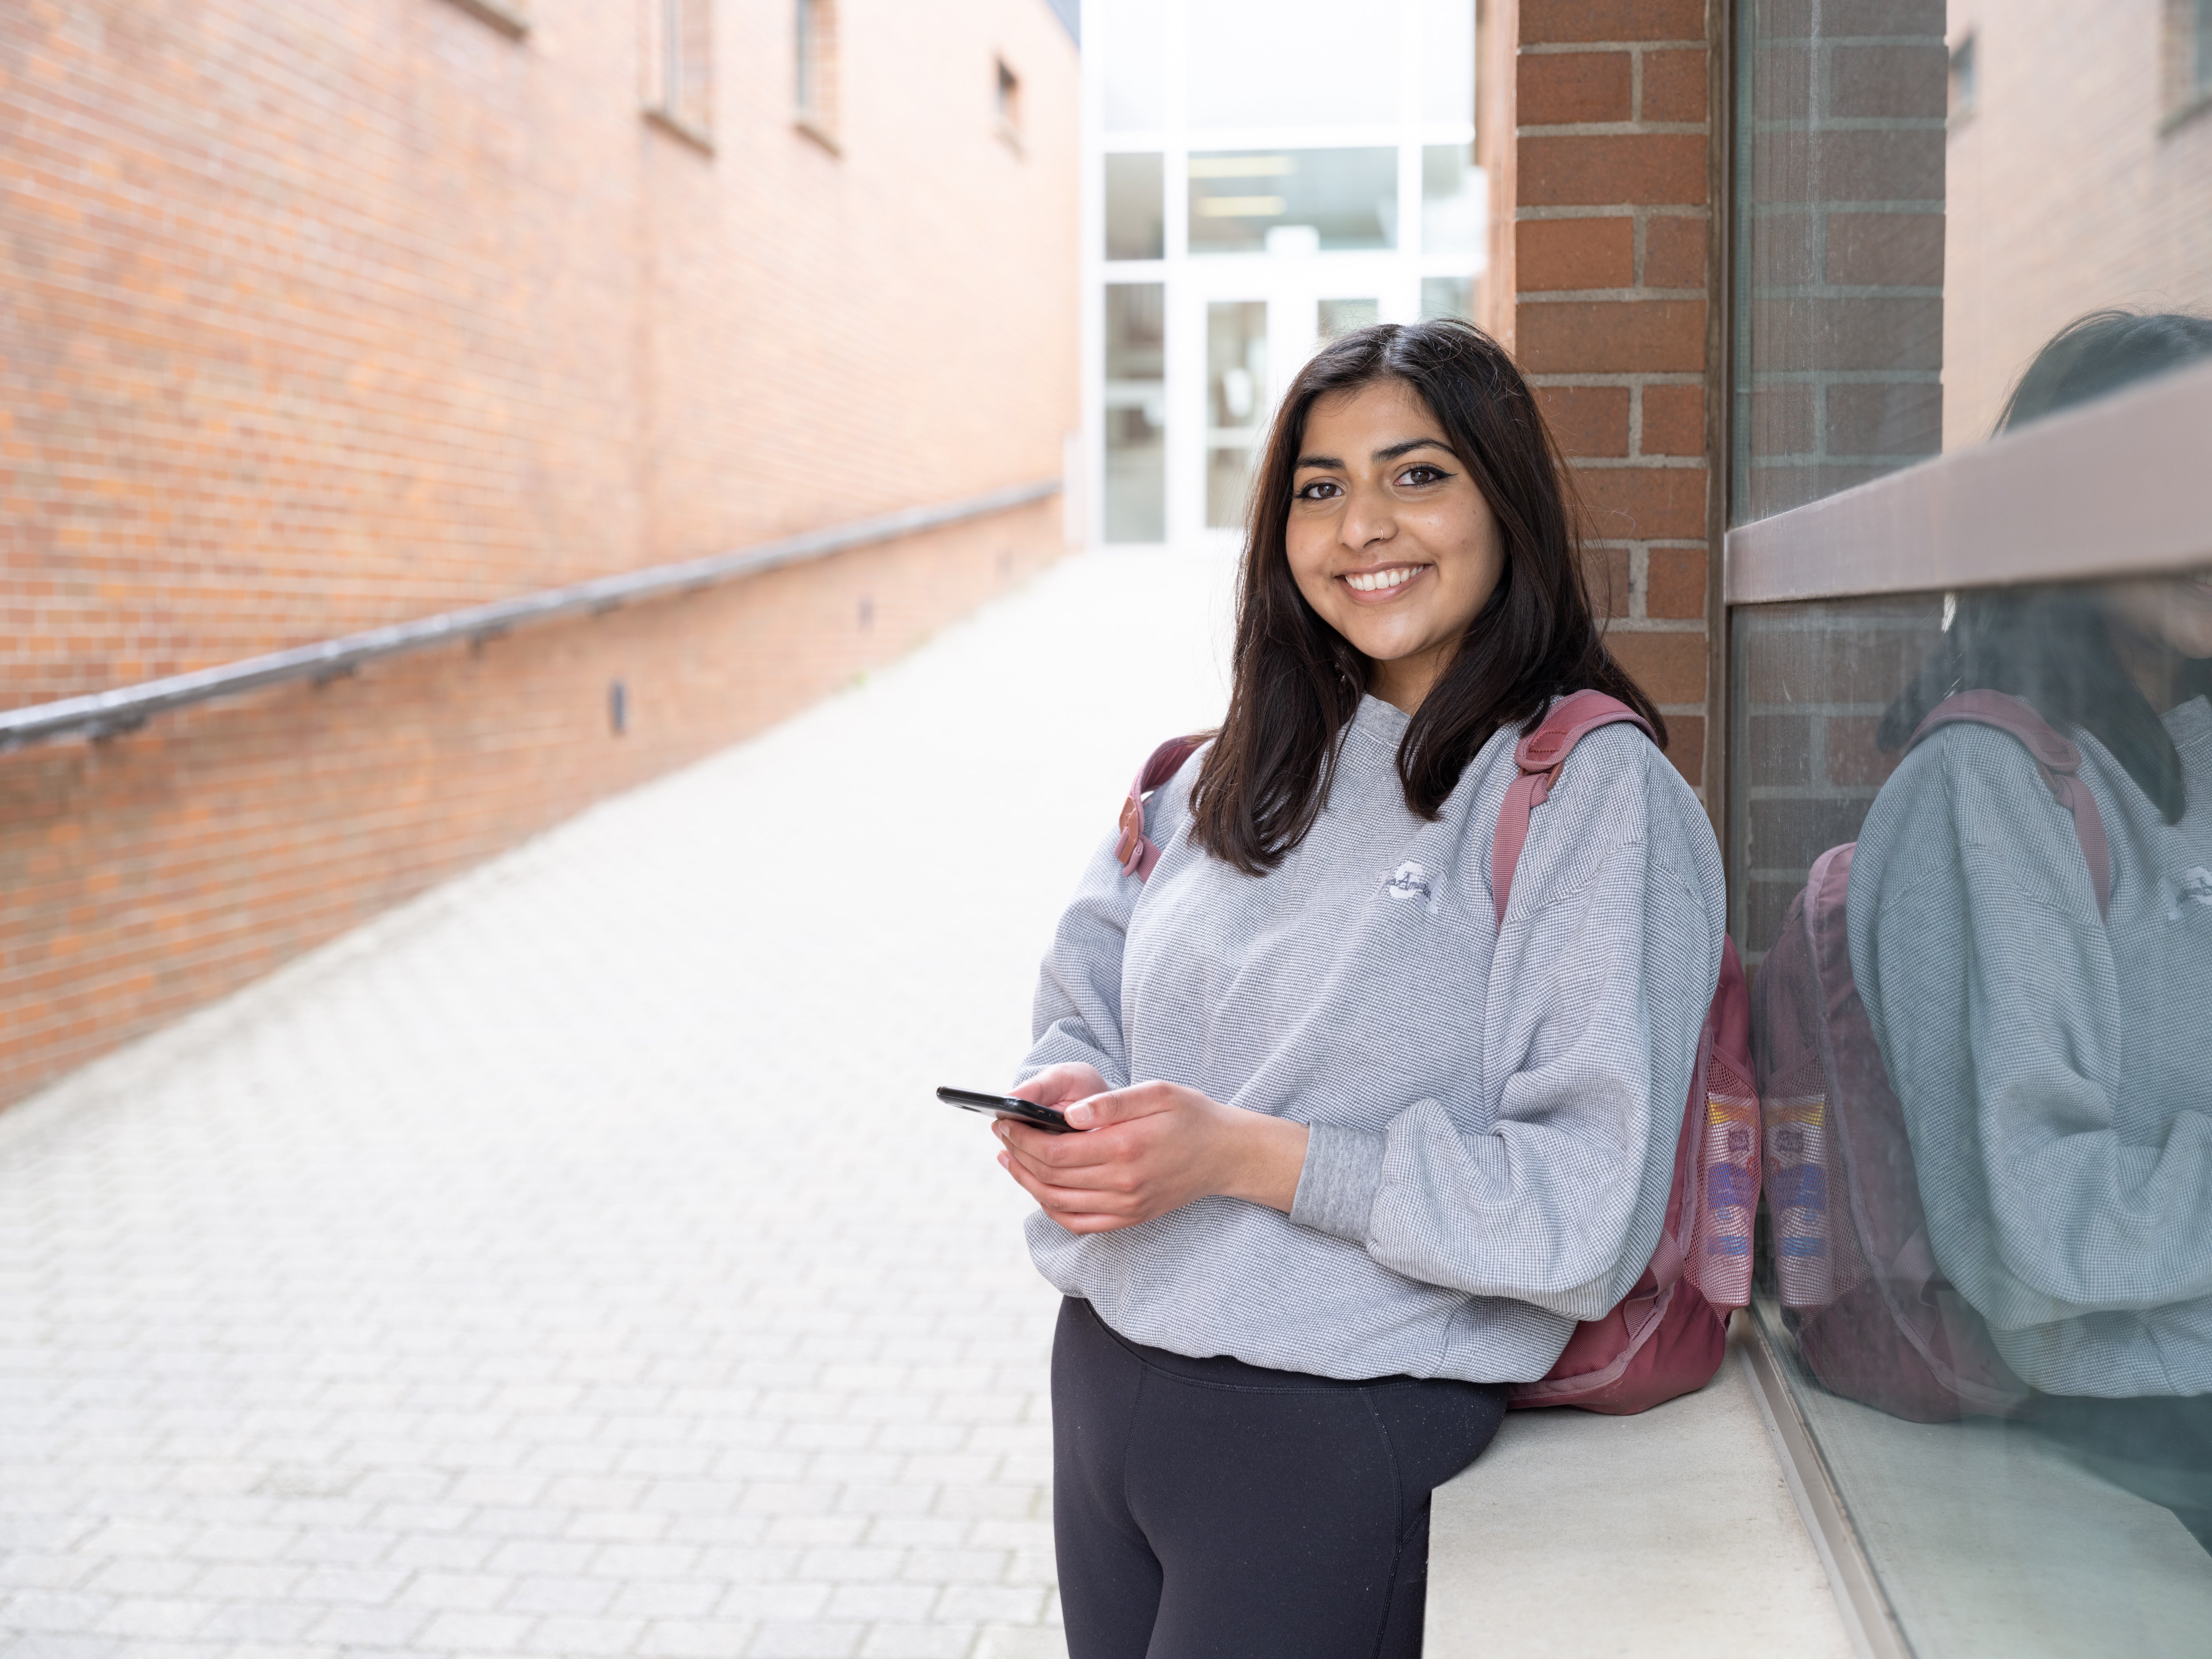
(2055, 755)
(1540, 756)
(1137, 854)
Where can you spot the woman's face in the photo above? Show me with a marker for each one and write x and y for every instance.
(2174, 611)
(1388, 538)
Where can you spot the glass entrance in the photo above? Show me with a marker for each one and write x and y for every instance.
(1263, 174)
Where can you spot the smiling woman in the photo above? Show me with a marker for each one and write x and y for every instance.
(1399, 448)
(1363, 1139)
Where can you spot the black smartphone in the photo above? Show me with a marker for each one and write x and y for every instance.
(1049, 1119)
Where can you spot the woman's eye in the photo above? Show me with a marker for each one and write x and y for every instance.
(1319, 490)
(1420, 475)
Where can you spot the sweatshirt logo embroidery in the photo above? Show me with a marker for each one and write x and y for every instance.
(2196, 883)
(1408, 881)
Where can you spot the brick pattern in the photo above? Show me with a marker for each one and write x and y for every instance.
(1843, 332)
(1612, 224)
(141, 875)
(1842, 341)
(528, 1275)
(1810, 685)
(319, 314)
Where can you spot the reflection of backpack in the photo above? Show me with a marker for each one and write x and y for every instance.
(1667, 1336)
(1875, 1320)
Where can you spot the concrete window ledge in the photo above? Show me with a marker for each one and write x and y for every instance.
(509, 17)
(1671, 1533)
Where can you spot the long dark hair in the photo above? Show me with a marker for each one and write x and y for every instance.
(1298, 682)
(2051, 645)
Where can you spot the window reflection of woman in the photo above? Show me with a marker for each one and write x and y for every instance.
(2056, 1064)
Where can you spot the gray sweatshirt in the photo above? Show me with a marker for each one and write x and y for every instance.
(2055, 1071)
(1494, 1113)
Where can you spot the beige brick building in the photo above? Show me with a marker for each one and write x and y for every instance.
(2097, 116)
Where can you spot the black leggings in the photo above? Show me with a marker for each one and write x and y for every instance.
(1205, 1509)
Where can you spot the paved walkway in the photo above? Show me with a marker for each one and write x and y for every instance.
(574, 1262)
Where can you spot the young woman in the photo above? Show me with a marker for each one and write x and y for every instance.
(2054, 1061)
(1357, 1156)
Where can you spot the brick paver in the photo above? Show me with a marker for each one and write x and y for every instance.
(574, 1262)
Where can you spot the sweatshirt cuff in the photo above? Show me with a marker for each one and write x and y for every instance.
(1338, 1186)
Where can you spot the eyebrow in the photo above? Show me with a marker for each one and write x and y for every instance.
(1391, 453)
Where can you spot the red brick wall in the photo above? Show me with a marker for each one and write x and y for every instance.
(1614, 219)
(316, 314)
(1842, 345)
(1843, 335)
(1812, 683)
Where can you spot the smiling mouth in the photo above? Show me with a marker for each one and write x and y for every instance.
(1383, 584)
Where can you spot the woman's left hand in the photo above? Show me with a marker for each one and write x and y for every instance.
(1151, 1148)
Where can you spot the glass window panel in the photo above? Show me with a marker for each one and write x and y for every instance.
(1447, 60)
(1135, 47)
(1297, 200)
(1447, 296)
(1292, 62)
(1236, 403)
(1987, 1237)
(1919, 211)
(1135, 415)
(1455, 200)
(1342, 316)
(1228, 475)
(1983, 1002)
(1982, 992)
(1134, 211)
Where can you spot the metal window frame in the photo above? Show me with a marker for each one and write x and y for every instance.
(2119, 487)
(1869, 1621)
(108, 714)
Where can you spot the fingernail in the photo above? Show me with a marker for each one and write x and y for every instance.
(1080, 1117)
(1004, 1162)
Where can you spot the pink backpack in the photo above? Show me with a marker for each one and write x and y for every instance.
(1667, 1336)
(1876, 1321)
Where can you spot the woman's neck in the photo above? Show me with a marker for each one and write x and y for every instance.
(1405, 682)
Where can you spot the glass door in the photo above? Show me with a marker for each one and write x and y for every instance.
(1248, 330)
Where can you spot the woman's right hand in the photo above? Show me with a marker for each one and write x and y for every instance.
(1061, 1086)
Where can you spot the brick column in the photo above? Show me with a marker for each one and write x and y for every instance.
(1613, 222)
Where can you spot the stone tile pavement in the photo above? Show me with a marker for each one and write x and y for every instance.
(574, 1262)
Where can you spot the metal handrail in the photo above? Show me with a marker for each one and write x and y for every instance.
(105, 713)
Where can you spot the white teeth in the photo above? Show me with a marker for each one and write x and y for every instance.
(1375, 581)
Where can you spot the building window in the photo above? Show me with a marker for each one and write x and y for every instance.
(1008, 105)
(814, 67)
(1136, 412)
(1977, 1343)
(681, 62)
(1136, 224)
(2188, 89)
(1965, 80)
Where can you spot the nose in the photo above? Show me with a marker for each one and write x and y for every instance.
(1368, 518)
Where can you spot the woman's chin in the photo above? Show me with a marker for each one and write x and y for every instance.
(1383, 639)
